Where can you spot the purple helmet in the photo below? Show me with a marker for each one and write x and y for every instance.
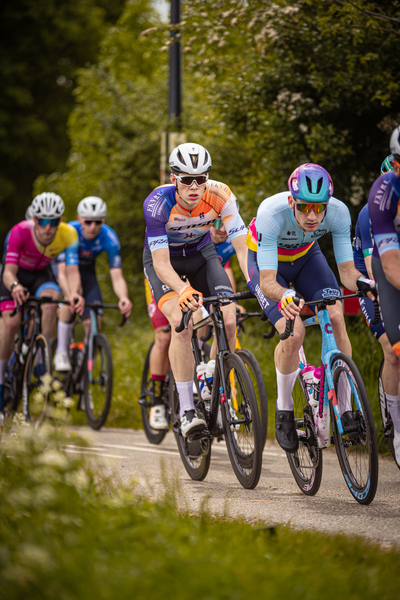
(310, 183)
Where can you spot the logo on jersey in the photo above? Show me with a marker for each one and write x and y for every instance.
(319, 233)
(201, 215)
(181, 228)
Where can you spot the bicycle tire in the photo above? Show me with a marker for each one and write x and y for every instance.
(196, 455)
(387, 422)
(306, 463)
(35, 396)
(154, 436)
(244, 440)
(98, 392)
(358, 455)
(258, 382)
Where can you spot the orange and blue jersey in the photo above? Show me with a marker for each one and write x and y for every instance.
(183, 231)
(276, 237)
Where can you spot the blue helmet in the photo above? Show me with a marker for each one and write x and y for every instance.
(310, 183)
(387, 164)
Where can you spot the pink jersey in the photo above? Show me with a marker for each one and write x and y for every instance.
(22, 250)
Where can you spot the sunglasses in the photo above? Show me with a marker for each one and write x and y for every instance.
(95, 221)
(51, 222)
(218, 223)
(188, 180)
(305, 207)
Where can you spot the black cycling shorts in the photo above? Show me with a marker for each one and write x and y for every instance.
(34, 281)
(203, 271)
(389, 302)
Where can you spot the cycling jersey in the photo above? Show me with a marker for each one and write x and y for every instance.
(275, 235)
(225, 251)
(22, 250)
(384, 212)
(184, 231)
(106, 241)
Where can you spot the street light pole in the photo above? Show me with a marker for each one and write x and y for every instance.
(175, 66)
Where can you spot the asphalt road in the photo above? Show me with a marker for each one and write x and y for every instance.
(126, 456)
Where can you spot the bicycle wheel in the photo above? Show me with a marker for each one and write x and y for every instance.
(257, 380)
(98, 391)
(306, 463)
(154, 436)
(241, 422)
(387, 422)
(196, 454)
(35, 389)
(357, 452)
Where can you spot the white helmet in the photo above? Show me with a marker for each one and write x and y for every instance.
(92, 207)
(47, 205)
(192, 159)
(28, 214)
(394, 144)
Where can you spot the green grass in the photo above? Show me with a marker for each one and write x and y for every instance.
(131, 342)
(67, 534)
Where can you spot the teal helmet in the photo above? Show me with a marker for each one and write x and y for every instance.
(311, 183)
(387, 164)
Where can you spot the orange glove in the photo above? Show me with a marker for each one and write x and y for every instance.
(187, 296)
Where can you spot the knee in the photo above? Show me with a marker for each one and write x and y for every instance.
(162, 341)
(49, 311)
(11, 325)
(337, 317)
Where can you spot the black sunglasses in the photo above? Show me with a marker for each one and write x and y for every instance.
(95, 221)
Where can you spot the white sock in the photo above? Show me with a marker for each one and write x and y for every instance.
(285, 384)
(394, 409)
(344, 393)
(185, 392)
(64, 335)
(3, 367)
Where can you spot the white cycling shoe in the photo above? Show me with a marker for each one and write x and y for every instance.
(62, 363)
(157, 417)
(396, 444)
(190, 423)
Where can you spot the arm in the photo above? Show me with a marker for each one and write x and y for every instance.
(368, 265)
(121, 291)
(74, 286)
(391, 267)
(62, 279)
(274, 291)
(17, 292)
(239, 243)
(165, 272)
(349, 274)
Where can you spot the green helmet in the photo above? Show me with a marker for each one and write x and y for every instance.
(387, 164)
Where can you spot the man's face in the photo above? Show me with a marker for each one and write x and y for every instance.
(218, 235)
(90, 226)
(307, 221)
(189, 195)
(46, 229)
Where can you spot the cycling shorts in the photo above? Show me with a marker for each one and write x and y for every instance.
(35, 281)
(91, 289)
(156, 317)
(389, 302)
(203, 270)
(310, 275)
(368, 311)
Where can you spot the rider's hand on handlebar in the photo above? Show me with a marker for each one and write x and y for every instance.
(287, 307)
(187, 300)
(19, 294)
(368, 286)
(125, 306)
(77, 304)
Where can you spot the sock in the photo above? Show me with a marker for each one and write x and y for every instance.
(157, 382)
(185, 392)
(3, 367)
(394, 409)
(64, 336)
(344, 393)
(285, 384)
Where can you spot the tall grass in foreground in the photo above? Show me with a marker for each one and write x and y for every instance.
(131, 342)
(65, 533)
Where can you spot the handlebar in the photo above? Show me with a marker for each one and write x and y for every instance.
(326, 301)
(219, 299)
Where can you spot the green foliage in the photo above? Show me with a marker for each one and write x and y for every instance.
(42, 44)
(64, 534)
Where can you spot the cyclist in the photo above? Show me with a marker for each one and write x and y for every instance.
(363, 248)
(32, 245)
(285, 262)
(383, 203)
(94, 237)
(159, 362)
(179, 216)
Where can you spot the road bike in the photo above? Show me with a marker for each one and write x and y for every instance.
(29, 363)
(231, 412)
(91, 377)
(387, 423)
(318, 412)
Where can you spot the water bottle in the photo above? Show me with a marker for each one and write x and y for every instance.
(205, 373)
(24, 352)
(316, 393)
(308, 377)
(321, 422)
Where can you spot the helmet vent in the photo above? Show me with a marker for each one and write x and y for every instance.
(180, 157)
(195, 159)
(309, 185)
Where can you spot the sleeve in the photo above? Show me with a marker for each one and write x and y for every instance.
(72, 250)
(268, 230)
(365, 232)
(382, 211)
(156, 218)
(232, 220)
(113, 250)
(341, 236)
(14, 247)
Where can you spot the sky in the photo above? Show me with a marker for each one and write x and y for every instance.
(163, 6)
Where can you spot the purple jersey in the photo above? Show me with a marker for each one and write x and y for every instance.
(384, 213)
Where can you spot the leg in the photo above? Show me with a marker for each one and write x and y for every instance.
(339, 328)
